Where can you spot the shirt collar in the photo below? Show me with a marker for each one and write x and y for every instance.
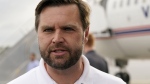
(85, 77)
(44, 78)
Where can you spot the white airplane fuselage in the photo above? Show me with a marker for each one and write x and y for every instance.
(129, 22)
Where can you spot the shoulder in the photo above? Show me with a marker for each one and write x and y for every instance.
(99, 76)
(24, 79)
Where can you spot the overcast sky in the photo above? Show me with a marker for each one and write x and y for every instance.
(17, 18)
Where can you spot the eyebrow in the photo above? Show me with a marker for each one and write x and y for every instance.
(69, 25)
(44, 27)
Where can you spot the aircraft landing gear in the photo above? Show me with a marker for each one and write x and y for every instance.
(121, 63)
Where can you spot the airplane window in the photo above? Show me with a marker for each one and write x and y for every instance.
(121, 3)
(144, 1)
(136, 1)
(128, 2)
(114, 5)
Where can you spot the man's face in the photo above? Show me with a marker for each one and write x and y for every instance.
(60, 36)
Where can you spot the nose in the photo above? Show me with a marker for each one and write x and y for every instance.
(58, 37)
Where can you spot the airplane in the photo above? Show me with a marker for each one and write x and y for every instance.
(121, 29)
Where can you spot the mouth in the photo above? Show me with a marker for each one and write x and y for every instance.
(58, 52)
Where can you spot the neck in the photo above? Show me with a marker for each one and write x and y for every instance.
(67, 76)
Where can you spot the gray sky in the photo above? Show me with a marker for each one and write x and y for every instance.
(16, 19)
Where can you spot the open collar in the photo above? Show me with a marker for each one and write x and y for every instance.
(86, 77)
(44, 78)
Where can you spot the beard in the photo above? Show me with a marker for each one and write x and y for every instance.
(69, 59)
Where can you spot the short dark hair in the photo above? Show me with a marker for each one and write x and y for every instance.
(83, 7)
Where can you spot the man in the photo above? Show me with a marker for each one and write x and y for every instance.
(62, 27)
(94, 59)
(33, 62)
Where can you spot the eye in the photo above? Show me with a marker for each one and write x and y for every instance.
(48, 30)
(68, 29)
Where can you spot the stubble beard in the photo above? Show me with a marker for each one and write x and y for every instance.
(74, 56)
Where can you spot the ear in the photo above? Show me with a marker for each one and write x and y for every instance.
(86, 35)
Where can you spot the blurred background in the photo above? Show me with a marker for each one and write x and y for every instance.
(121, 29)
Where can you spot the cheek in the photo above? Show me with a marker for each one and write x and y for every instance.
(43, 42)
(78, 40)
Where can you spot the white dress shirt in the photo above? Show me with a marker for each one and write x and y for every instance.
(90, 75)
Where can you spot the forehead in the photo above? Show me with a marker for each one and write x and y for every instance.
(64, 7)
(68, 10)
(60, 14)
